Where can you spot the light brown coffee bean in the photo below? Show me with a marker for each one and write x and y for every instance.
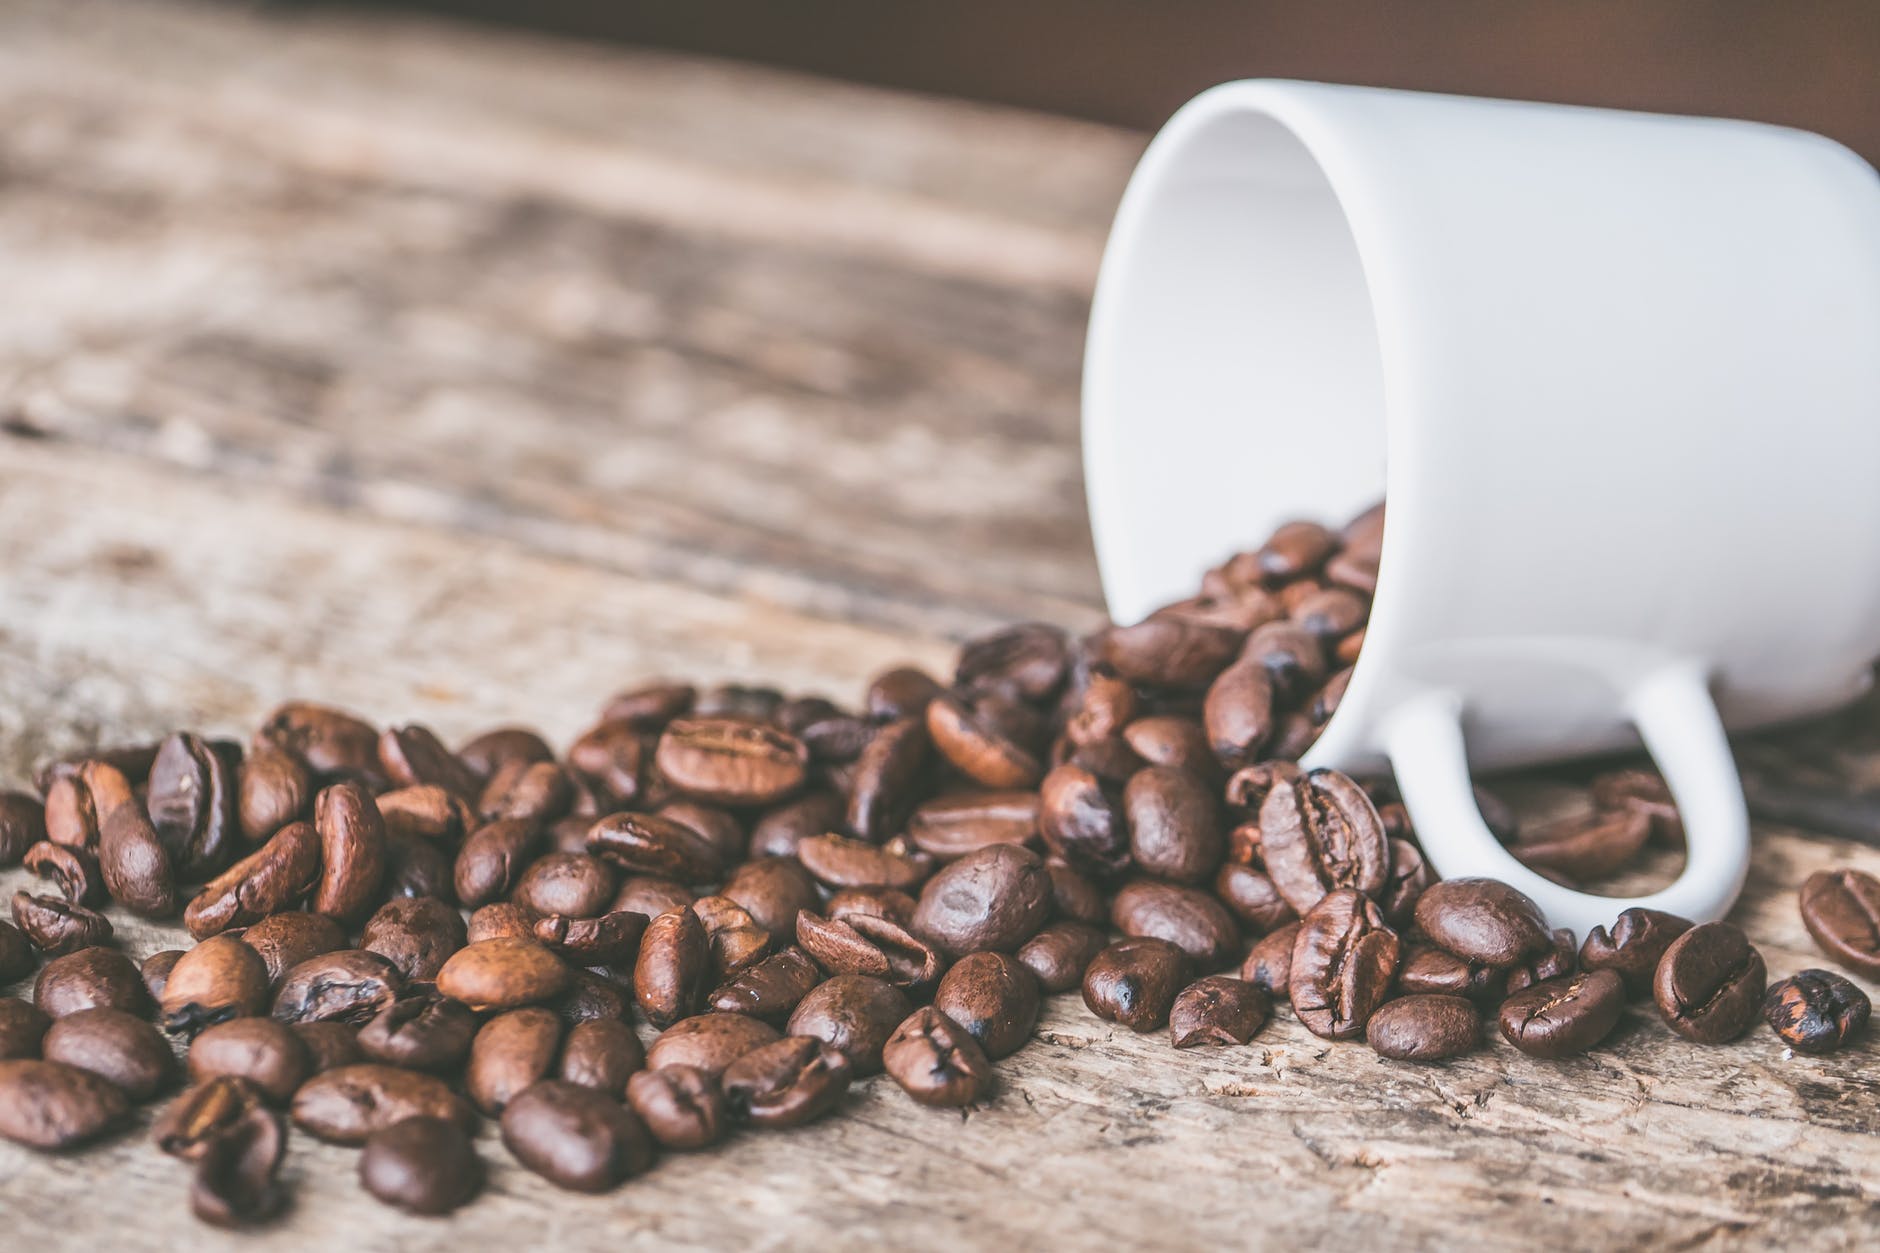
(275, 789)
(650, 844)
(936, 1061)
(511, 1053)
(674, 963)
(603, 1054)
(709, 1042)
(348, 985)
(284, 940)
(266, 1053)
(267, 881)
(995, 997)
(221, 978)
(731, 762)
(1058, 955)
(417, 934)
(1217, 1010)
(500, 974)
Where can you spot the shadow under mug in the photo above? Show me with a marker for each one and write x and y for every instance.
(1617, 374)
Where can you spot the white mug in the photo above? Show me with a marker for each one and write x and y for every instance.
(1617, 374)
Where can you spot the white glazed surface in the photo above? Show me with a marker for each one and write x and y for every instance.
(1625, 370)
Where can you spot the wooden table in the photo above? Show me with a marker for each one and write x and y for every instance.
(462, 378)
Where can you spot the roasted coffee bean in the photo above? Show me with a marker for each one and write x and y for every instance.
(348, 1103)
(731, 762)
(1029, 660)
(575, 1137)
(1841, 909)
(420, 1030)
(1247, 790)
(682, 1106)
(890, 903)
(427, 813)
(1709, 984)
(1163, 740)
(854, 1014)
(17, 958)
(613, 760)
(22, 1026)
(1424, 1028)
(1409, 876)
(610, 940)
(1564, 1016)
(136, 867)
(417, 934)
(1428, 970)
(500, 920)
(1483, 921)
(493, 858)
(1561, 959)
(266, 1053)
(1239, 712)
(831, 736)
(786, 1083)
(1194, 921)
(986, 738)
(75, 871)
(193, 803)
(1331, 614)
(840, 862)
(651, 706)
(535, 791)
(500, 974)
(952, 826)
(1217, 1010)
(1588, 849)
(1293, 660)
(746, 702)
(1268, 966)
(590, 997)
(865, 944)
(719, 827)
(1175, 828)
(90, 978)
(776, 833)
(773, 890)
(1634, 947)
(1295, 549)
(674, 963)
(1059, 953)
(22, 825)
(114, 1045)
(413, 756)
(936, 1061)
(565, 883)
(78, 803)
(348, 985)
(994, 997)
(1107, 704)
(333, 743)
(650, 844)
(275, 789)
(50, 1105)
(267, 881)
(330, 1045)
(1320, 832)
(156, 970)
(285, 940)
(903, 692)
(1251, 897)
(131, 760)
(1644, 791)
(1167, 652)
(203, 1112)
(1134, 982)
(1082, 820)
(771, 988)
(512, 1052)
(421, 1165)
(352, 848)
(992, 900)
(710, 1042)
(888, 775)
(57, 927)
(1815, 1011)
(1343, 962)
(602, 1054)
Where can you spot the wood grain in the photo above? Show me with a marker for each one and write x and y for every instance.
(466, 380)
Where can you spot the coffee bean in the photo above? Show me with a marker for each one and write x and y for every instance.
(330, 1045)
(417, 934)
(1058, 955)
(613, 759)
(890, 903)
(17, 957)
(57, 927)
(1709, 984)
(1562, 958)
(192, 803)
(1343, 962)
(90, 978)
(219, 979)
(22, 825)
(1239, 712)
(415, 867)
(602, 1054)
(574, 1137)
(888, 776)
(592, 997)
(1423, 1028)
(651, 706)
(773, 890)
(78, 803)
(1192, 920)
(421, 1165)
(1292, 659)
(936, 1061)
(511, 1053)
(275, 789)
(988, 738)
(674, 963)
(683, 1107)
(347, 1104)
(1644, 791)
(1029, 660)
(1162, 740)
(285, 940)
(1585, 850)
(420, 1030)
(235, 1183)
(731, 762)
(266, 1053)
(992, 996)
(1168, 652)
(156, 970)
(776, 833)
(500, 974)
(1217, 1010)
(115, 1046)
(204, 1111)
(22, 1026)
(349, 985)
(993, 900)
(428, 814)
(786, 1083)
(1251, 897)
(1561, 1017)
(771, 988)
(1409, 876)
(492, 859)
(1134, 982)
(1632, 950)
(539, 791)
(413, 756)
(840, 862)
(331, 741)
(74, 871)
(267, 881)
(1428, 970)
(1816, 1011)
(1320, 832)
(1841, 909)
(949, 827)
(650, 844)
(854, 1014)
(1295, 549)
(1074, 895)
(1082, 820)
(710, 1042)
(610, 940)
(50, 1105)
(500, 920)
(1175, 830)
(565, 883)
(352, 847)
(1483, 920)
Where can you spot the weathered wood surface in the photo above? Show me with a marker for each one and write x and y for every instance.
(462, 378)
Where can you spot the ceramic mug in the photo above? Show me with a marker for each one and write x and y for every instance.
(1618, 375)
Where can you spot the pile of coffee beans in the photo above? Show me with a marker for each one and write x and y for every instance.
(720, 908)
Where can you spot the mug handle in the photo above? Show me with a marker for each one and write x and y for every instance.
(1675, 716)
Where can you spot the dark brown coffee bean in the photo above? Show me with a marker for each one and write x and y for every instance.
(888, 776)
(267, 881)
(427, 813)
(493, 858)
(49, 1105)
(1082, 820)
(332, 742)
(285, 940)
(902, 692)
(419, 1030)
(682, 1106)
(1295, 549)
(854, 1014)
(89, 978)
(986, 738)
(22, 825)
(731, 762)
(193, 804)
(219, 979)
(1332, 613)
(78, 803)
(1645, 791)
(421, 1166)
(1107, 704)
(1029, 660)
(203, 1112)
(840, 862)
(352, 849)
(500, 920)
(709, 1042)
(1175, 828)
(651, 706)
(994, 997)
(116, 1046)
(952, 826)
(566, 883)
(413, 756)
(890, 903)
(52, 926)
(650, 844)
(1194, 921)
(575, 1137)
(512, 1052)
(1165, 740)
(347, 985)
(610, 940)
(330, 1045)
(1841, 909)
(74, 871)
(417, 934)
(1293, 660)
(1320, 832)
(1168, 652)
(770, 989)
(786, 1083)
(1059, 953)
(1217, 1010)
(744, 702)
(1561, 959)
(1585, 850)
(773, 890)
(266, 1053)
(22, 1026)
(1483, 921)
(992, 900)
(156, 970)
(1239, 712)
(1074, 895)
(347, 1104)
(136, 867)
(534, 791)
(776, 833)
(1424, 1028)
(275, 789)
(1428, 970)
(1251, 897)
(614, 759)
(936, 1061)
(867, 944)
(1409, 876)
(674, 963)
(734, 939)
(1247, 790)
(1343, 962)
(1134, 982)
(1815, 1011)
(1709, 984)
(603, 1054)
(593, 997)
(1634, 947)
(1564, 1016)
(505, 973)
